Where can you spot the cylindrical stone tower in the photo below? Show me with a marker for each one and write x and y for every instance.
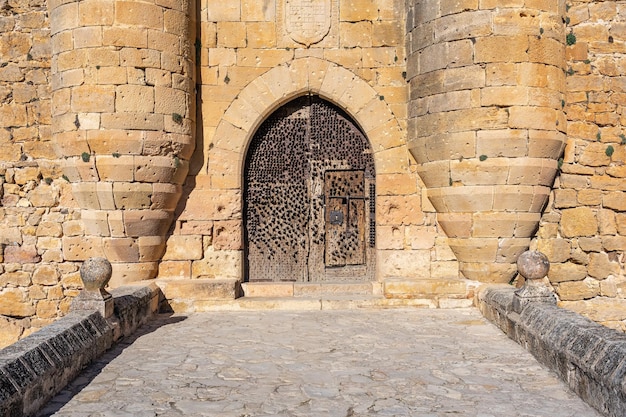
(123, 116)
(485, 121)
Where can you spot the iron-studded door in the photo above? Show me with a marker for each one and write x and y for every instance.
(294, 159)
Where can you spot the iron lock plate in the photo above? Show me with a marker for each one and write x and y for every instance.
(336, 217)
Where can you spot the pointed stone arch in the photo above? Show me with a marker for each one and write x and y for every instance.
(303, 76)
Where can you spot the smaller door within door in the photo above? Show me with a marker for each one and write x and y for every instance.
(345, 218)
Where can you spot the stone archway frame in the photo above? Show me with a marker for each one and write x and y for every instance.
(279, 85)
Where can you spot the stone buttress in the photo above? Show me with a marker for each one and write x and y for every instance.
(486, 123)
(123, 116)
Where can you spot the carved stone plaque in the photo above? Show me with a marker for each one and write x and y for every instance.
(307, 21)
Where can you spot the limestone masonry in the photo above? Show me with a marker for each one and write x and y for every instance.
(420, 146)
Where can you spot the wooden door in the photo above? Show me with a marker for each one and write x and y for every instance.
(307, 163)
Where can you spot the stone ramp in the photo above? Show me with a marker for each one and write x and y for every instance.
(400, 362)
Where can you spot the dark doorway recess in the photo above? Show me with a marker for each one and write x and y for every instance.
(309, 197)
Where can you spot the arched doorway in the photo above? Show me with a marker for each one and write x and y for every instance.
(309, 196)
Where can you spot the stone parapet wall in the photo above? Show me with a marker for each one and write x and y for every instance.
(588, 357)
(37, 367)
(583, 231)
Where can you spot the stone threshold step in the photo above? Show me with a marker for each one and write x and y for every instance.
(301, 289)
(195, 295)
(312, 304)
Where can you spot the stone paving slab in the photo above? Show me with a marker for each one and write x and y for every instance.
(409, 362)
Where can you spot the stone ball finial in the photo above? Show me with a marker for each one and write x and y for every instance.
(95, 274)
(533, 265)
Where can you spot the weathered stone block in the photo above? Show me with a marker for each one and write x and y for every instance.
(121, 249)
(174, 269)
(212, 205)
(95, 222)
(354, 11)
(146, 222)
(615, 200)
(456, 225)
(126, 273)
(10, 332)
(218, 264)
(49, 228)
(467, 199)
(425, 288)
(579, 221)
(139, 14)
(160, 169)
(476, 172)
(444, 270)
(420, 237)
(13, 303)
(15, 278)
(412, 264)
(501, 49)
(600, 266)
(86, 195)
(46, 275)
(227, 235)
(497, 224)
(390, 237)
(21, 254)
(151, 248)
(79, 248)
(47, 309)
(132, 195)
(590, 244)
(488, 272)
(115, 141)
(231, 34)
(200, 289)
(399, 210)
(471, 23)
(475, 249)
(165, 196)
(170, 100)
(614, 243)
(115, 168)
(568, 271)
(578, 290)
(183, 247)
(202, 228)
(511, 248)
(599, 309)
(557, 250)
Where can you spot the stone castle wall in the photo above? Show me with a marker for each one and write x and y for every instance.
(583, 230)
(249, 65)
(94, 79)
(36, 207)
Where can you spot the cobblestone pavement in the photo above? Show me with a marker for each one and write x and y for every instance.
(319, 363)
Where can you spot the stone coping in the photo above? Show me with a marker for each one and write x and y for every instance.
(35, 368)
(589, 357)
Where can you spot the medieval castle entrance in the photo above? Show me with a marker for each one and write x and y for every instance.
(309, 197)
